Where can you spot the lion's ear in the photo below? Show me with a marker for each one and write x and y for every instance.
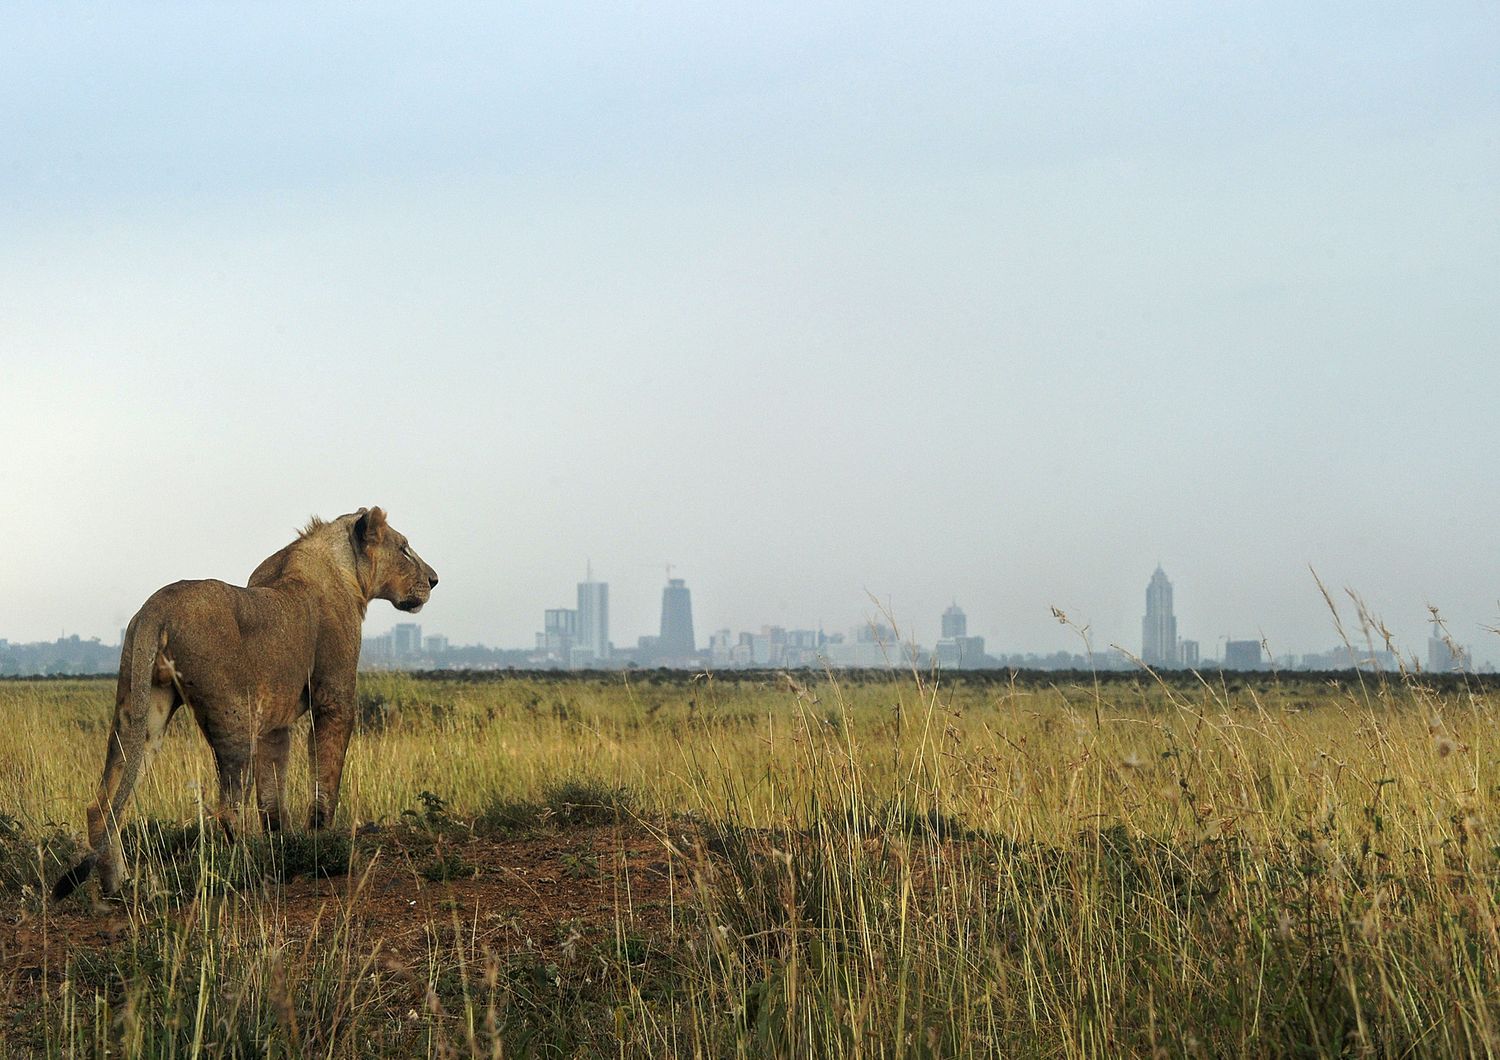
(370, 525)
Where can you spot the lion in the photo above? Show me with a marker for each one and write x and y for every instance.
(249, 662)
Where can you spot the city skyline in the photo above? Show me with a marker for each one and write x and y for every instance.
(1161, 644)
(562, 628)
(874, 642)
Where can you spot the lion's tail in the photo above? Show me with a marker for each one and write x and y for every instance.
(123, 758)
(74, 877)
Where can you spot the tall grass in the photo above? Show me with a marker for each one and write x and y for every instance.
(918, 866)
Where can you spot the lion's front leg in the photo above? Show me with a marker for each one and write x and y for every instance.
(332, 725)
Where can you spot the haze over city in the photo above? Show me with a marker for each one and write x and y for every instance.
(1002, 305)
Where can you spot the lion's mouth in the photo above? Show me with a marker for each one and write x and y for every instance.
(412, 606)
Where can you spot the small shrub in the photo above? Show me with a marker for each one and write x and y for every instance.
(509, 815)
(448, 866)
(584, 802)
(434, 812)
(323, 854)
(580, 866)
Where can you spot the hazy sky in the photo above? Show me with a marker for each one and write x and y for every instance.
(995, 302)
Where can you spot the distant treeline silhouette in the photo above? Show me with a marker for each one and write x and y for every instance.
(66, 656)
(1177, 680)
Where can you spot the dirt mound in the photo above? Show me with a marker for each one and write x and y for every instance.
(544, 893)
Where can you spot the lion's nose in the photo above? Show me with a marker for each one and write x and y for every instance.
(431, 578)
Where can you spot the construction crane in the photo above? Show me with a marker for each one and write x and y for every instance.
(668, 564)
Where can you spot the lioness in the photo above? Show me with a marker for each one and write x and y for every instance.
(249, 662)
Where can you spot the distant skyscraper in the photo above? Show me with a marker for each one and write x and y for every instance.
(676, 640)
(406, 638)
(559, 630)
(957, 649)
(593, 616)
(1159, 627)
(1442, 658)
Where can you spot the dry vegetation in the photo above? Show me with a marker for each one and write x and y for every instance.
(796, 866)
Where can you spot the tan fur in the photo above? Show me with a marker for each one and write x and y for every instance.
(248, 662)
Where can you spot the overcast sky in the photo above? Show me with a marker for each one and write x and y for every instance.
(1001, 303)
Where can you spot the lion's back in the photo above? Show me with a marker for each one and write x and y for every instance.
(207, 624)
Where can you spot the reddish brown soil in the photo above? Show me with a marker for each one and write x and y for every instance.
(542, 893)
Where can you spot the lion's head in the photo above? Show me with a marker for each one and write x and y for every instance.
(387, 563)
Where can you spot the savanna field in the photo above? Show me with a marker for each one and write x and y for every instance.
(653, 865)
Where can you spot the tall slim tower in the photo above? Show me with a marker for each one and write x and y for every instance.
(1444, 657)
(676, 639)
(593, 616)
(1159, 627)
(955, 622)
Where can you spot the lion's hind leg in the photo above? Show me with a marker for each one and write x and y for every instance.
(271, 755)
(234, 756)
(134, 736)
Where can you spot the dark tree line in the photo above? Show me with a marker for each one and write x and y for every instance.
(66, 655)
